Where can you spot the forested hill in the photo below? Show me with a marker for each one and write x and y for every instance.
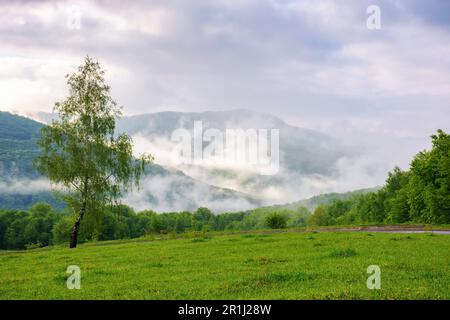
(324, 199)
(19, 190)
(419, 195)
(18, 148)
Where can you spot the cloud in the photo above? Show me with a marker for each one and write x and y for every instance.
(313, 63)
(256, 54)
(174, 193)
(24, 186)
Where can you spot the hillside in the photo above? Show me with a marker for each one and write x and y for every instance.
(162, 189)
(308, 164)
(184, 187)
(288, 265)
(301, 149)
(17, 146)
(324, 199)
(305, 155)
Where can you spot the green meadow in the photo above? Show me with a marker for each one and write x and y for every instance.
(287, 265)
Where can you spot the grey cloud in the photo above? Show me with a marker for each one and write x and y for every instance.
(313, 63)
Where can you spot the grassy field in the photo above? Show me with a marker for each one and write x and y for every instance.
(291, 265)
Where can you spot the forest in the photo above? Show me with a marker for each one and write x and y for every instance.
(418, 195)
(42, 226)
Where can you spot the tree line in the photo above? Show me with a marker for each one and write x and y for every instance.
(42, 226)
(420, 194)
(82, 153)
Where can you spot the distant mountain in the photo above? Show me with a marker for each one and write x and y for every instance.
(302, 150)
(309, 160)
(18, 137)
(162, 189)
(324, 199)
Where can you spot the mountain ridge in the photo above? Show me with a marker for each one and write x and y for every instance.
(308, 158)
(16, 164)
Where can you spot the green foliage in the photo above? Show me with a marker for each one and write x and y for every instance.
(276, 221)
(418, 195)
(18, 137)
(327, 198)
(257, 218)
(20, 201)
(201, 217)
(421, 194)
(319, 217)
(430, 182)
(61, 229)
(19, 229)
(80, 150)
(42, 225)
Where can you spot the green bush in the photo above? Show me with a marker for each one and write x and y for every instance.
(276, 221)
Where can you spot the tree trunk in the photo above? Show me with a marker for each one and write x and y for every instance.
(76, 227)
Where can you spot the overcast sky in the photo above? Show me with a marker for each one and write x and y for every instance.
(313, 63)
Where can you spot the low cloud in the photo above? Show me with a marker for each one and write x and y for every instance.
(313, 63)
(24, 186)
(176, 193)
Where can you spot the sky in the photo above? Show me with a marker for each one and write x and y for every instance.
(313, 63)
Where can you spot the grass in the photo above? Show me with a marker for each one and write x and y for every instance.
(288, 265)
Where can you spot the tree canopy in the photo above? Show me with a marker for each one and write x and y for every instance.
(421, 194)
(80, 150)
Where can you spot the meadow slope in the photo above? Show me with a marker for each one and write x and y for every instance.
(291, 265)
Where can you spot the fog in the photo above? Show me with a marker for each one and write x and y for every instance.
(24, 186)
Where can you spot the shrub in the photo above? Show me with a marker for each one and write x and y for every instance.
(276, 221)
(32, 246)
